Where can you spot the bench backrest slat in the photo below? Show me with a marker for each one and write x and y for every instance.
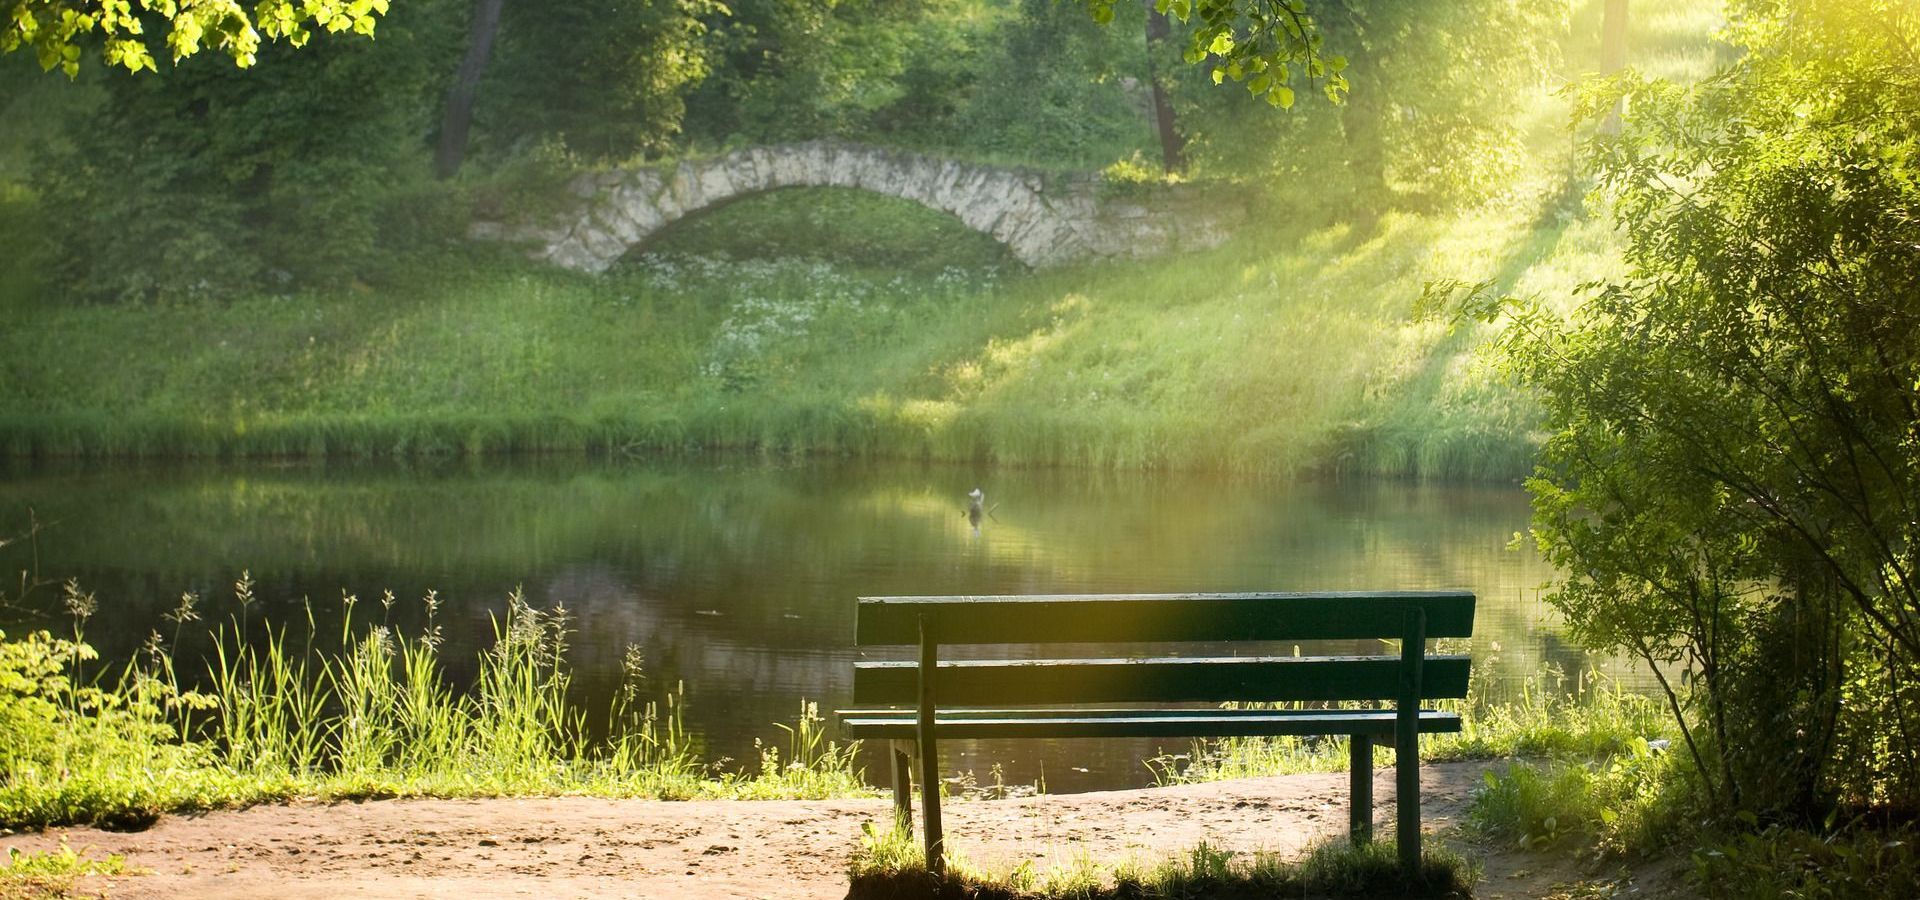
(1157, 680)
(1128, 618)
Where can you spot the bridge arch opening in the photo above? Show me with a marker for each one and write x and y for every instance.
(841, 226)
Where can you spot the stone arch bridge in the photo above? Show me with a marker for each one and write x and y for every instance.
(1045, 219)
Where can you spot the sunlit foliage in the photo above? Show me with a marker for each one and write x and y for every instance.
(1733, 479)
(127, 31)
(1260, 44)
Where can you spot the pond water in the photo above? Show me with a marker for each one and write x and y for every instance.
(738, 577)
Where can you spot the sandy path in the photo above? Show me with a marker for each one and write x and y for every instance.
(576, 847)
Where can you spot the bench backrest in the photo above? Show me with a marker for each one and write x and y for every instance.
(1409, 616)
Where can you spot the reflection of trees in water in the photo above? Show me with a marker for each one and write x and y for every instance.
(738, 651)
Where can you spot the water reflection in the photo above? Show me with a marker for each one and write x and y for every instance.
(739, 577)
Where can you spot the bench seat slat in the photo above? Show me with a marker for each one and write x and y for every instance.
(1052, 723)
(1127, 618)
(1156, 680)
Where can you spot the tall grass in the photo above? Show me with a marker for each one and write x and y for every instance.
(366, 712)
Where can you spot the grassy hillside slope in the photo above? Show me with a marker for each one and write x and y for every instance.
(1259, 356)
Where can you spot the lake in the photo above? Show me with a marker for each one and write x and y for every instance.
(737, 576)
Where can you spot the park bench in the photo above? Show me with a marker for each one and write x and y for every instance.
(914, 704)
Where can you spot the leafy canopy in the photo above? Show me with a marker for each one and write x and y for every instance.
(1259, 43)
(57, 30)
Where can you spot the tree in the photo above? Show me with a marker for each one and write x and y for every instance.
(1732, 482)
(451, 149)
(1613, 52)
(203, 180)
(1172, 145)
(1260, 44)
(57, 30)
(1050, 85)
(608, 78)
(801, 69)
(1429, 117)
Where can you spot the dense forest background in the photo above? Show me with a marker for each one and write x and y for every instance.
(289, 240)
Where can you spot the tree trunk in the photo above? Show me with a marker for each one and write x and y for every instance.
(1365, 109)
(466, 86)
(1613, 52)
(1173, 147)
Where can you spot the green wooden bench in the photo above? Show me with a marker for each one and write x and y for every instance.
(915, 704)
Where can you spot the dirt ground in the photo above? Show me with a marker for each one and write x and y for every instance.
(578, 847)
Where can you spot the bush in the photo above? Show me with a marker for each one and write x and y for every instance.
(1731, 479)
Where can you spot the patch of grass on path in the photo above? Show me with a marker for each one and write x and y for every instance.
(1597, 720)
(890, 866)
(53, 873)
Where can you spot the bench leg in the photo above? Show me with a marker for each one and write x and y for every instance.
(1406, 743)
(1360, 774)
(929, 755)
(900, 762)
(1406, 779)
(930, 805)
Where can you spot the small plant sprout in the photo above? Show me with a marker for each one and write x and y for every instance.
(80, 605)
(243, 590)
(633, 672)
(430, 635)
(184, 611)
